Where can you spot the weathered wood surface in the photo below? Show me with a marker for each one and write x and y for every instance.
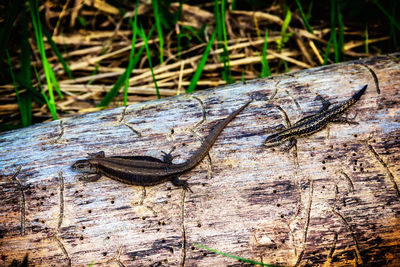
(333, 201)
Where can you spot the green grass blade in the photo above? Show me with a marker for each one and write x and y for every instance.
(81, 21)
(310, 7)
(97, 64)
(393, 32)
(130, 64)
(12, 11)
(108, 98)
(333, 31)
(57, 52)
(233, 5)
(303, 16)
(157, 17)
(25, 70)
(187, 32)
(146, 45)
(201, 65)
(327, 51)
(390, 17)
(393, 22)
(22, 108)
(178, 14)
(37, 97)
(51, 101)
(25, 57)
(284, 34)
(220, 35)
(49, 74)
(193, 32)
(219, 14)
(217, 17)
(32, 7)
(335, 45)
(233, 256)
(285, 64)
(54, 80)
(341, 31)
(366, 39)
(178, 43)
(265, 70)
(227, 63)
(51, 107)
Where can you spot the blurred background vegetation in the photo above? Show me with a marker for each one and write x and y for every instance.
(61, 58)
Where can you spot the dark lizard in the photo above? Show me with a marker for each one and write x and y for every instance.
(146, 170)
(313, 123)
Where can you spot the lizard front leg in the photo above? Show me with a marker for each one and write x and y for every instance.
(91, 178)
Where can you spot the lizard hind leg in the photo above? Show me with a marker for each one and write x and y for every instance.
(99, 154)
(344, 120)
(183, 183)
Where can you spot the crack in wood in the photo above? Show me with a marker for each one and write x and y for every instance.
(332, 250)
(336, 196)
(61, 245)
(123, 114)
(127, 125)
(353, 235)
(298, 207)
(117, 258)
(22, 204)
(209, 165)
(308, 216)
(183, 253)
(274, 93)
(374, 76)
(144, 192)
(337, 213)
(203, 112)
(348, 179)
(297, 212)
(300, 257)
(204, 118)
(61, 132)
(59, 135)
(288, 125)
(142, 199)
(294, 100)
(61, 212)
(291, 237)
(152, 210)
(385, 166)
(132, 129)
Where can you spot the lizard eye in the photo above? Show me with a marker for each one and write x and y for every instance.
(80, 165)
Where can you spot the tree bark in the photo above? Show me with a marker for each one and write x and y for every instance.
(332, 200)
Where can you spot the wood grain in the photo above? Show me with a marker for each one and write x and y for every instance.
(334, 200)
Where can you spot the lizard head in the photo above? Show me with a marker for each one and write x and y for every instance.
(273, 140)
(84, 166)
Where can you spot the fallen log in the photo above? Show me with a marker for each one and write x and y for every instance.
(333, 199)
